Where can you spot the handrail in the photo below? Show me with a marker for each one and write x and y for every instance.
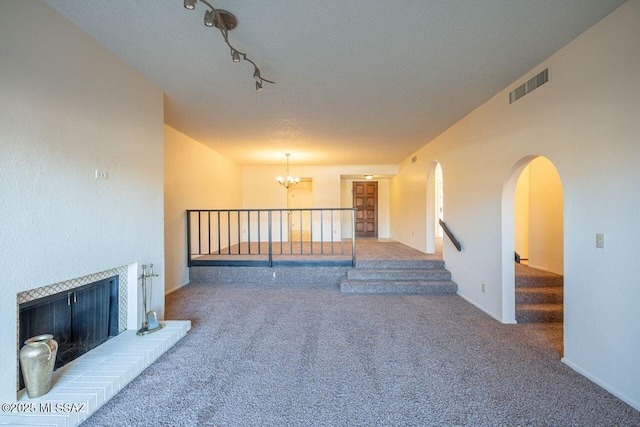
(449, 234)
(268, 237)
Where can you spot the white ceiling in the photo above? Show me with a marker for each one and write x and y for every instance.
(358, 81)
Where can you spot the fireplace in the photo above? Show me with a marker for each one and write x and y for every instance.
(81, 313)
(79, 319)
(95, 377)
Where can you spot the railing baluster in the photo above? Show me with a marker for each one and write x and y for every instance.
(311, 230)
(321, 234)
(270, 242)
(353, 238)
(249, 231)
(243, 226)
(332, 232)
(239, 234)
(199, 233)
(290, 230)
(209, 231)
(281, 242)
(188, 238)
(218, 232)
(259, 236)
(342, 235)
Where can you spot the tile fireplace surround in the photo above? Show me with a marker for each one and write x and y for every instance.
(80, 387)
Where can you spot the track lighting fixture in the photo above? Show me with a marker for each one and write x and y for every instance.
(226, 21)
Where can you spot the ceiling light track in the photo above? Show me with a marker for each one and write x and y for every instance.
(225, 21)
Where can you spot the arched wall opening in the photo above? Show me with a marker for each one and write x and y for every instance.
(435, 205)
(532, 224)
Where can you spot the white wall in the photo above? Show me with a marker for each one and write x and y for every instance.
(260, 190)
(195, 177)
(521, 215)
(546, 248)
(585, 120)
(69, 107)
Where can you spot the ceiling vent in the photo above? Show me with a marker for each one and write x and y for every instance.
(529, 86)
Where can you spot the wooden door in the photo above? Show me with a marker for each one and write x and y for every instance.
(365, 199)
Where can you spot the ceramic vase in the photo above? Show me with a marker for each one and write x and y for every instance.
(37, 359)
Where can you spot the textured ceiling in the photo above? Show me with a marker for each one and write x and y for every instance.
(358, 81)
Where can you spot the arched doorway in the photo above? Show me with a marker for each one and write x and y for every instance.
(533, 237)
(435, 206)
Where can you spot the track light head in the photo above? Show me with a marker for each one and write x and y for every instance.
(208, 18)
(190, 4)
(256, 74)
(235, 55)
(259, 86)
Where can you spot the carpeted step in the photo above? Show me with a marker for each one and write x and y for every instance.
(398, 287)
(295, 276)
(395, 274)
(430, 264)
(534, 313)
(539, 294)
(531, 277)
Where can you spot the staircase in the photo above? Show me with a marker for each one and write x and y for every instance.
(539, 295)
(398, 277)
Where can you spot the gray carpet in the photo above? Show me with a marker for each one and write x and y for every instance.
(311, 356)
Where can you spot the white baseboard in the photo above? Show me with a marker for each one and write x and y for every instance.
(626, 399)
(480, 307)
(175, 289)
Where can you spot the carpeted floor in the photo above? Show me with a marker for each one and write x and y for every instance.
(311, 356)
(366, 249)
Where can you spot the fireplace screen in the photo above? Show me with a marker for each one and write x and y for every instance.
(79, 319)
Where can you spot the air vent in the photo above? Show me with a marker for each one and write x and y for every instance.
(531, 84)
(414, 159)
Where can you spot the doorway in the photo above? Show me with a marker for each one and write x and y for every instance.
(538, 213)
(365, 200)
(533, 248)
(435, 206)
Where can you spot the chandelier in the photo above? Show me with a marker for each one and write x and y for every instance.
(288, 181)
(225, 21)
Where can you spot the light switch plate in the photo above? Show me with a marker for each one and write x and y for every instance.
(600, 240)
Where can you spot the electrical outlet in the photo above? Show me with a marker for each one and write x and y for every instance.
(482, 288)
(600, 240)
(102, 174)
